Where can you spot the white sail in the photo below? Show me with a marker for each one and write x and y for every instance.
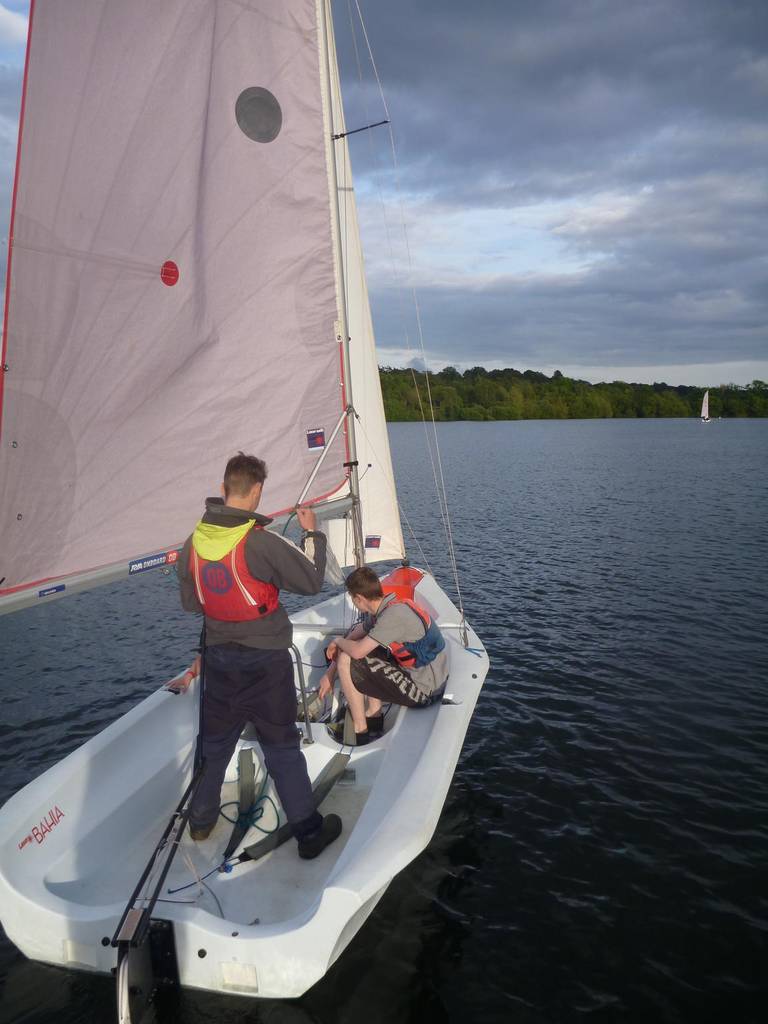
(705, 406)
(171, 291)
(382, 534)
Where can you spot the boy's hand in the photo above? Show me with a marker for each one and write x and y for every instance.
(326, 686)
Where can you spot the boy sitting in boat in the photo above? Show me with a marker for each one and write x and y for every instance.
(396, 655)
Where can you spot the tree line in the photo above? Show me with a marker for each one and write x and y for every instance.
(480, 394)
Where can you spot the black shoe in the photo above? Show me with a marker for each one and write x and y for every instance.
(344, 732)
(200, 832)
(336, 731)
(375, 726)
(314, 844)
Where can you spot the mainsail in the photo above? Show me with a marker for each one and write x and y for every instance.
(705, 406)
(173, 291)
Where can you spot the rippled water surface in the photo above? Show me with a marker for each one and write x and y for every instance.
(602, 852)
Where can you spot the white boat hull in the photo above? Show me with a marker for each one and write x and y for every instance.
(76, 840)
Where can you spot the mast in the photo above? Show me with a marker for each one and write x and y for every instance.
(342, 327)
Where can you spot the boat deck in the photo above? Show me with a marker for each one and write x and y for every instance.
(278, 886)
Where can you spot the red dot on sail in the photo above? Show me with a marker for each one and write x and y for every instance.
(169, 273)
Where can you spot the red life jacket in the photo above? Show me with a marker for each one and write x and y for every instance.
(418, 653)
(226, 589)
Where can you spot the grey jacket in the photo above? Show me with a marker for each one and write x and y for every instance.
(270, 558)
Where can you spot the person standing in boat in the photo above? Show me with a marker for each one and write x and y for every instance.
(232, 569)
(395, 656)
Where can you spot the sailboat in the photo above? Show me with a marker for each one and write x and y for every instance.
(705, 408)
(185, 279)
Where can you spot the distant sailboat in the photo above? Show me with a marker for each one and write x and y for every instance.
(185, 278)
(705, 408)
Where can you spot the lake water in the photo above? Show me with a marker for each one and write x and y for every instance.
(602, 851)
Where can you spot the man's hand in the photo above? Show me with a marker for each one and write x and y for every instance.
(332, 650)
(307, 518)
(325, 686)
(182, 684)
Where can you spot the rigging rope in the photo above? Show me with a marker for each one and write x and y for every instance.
(398, 289)
(429, 450)
(438, 469)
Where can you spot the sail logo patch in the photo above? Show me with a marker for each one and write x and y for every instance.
(46, 826)
(153, 562)
(316, 438)
(169, 273)
(373, 541)
(217, 578)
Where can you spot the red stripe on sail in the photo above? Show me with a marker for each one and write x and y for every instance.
(308, 504)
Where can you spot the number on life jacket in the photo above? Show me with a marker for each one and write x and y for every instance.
(227, 590)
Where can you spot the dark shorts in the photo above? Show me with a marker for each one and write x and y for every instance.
(383, 678)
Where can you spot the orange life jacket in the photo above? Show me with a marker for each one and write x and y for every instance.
(227, 590)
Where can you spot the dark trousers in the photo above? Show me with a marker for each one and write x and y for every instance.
(246, 684)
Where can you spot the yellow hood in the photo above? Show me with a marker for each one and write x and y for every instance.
(214, 542)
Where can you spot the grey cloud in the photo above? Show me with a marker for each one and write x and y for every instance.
(606, 319)
(502, 104)
(677, 287)
(10, 95)
(505, 102)
(713, 220)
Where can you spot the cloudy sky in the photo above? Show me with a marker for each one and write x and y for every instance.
(584, 183)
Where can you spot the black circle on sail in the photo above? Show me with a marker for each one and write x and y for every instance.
(259, 115)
